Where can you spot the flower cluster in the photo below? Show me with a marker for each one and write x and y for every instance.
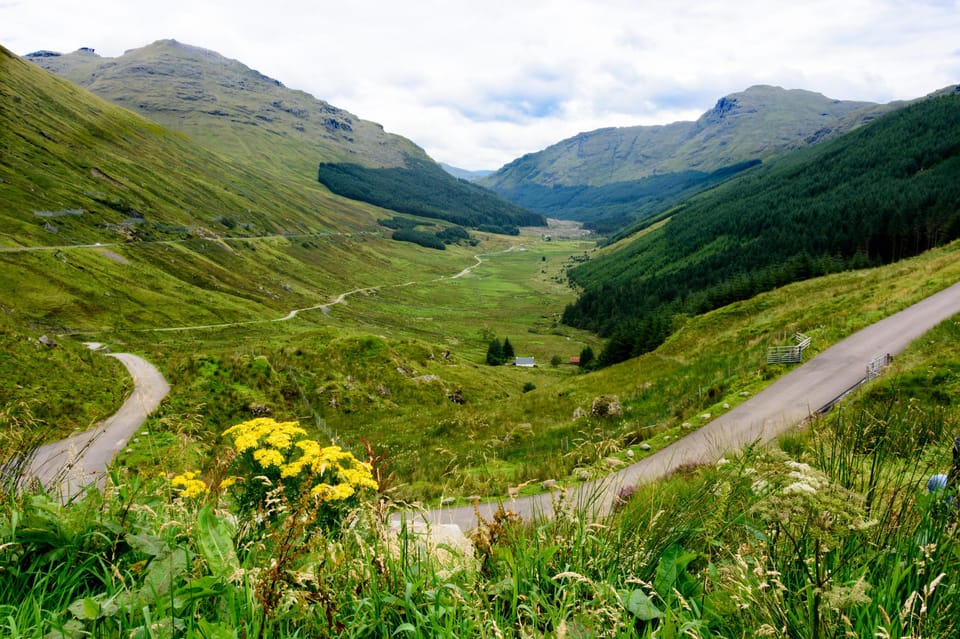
(278, 455)
(188, 486)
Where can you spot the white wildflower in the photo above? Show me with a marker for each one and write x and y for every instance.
(798, 487)
(760, 487)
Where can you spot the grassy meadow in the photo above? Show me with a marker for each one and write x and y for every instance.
(401, 366)
(830, 532)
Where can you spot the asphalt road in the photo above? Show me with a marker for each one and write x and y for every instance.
(70, 465)
(781, 406)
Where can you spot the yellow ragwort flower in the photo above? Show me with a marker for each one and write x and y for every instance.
(268, 457)
(326, 492)
(187, 485)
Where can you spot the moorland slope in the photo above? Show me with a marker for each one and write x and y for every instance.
(257, 121)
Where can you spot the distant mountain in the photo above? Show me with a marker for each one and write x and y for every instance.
(464, 174)
(253, 119)
(883, 192)
(742, 129)
(230, 107)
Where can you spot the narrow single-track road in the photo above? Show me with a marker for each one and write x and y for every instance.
(67, 467)
(783, 405)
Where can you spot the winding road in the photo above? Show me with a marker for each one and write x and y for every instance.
(783, 405)
(67, 467)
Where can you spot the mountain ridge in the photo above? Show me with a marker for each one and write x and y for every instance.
(203, 94)
(790, 117)
(255, 120)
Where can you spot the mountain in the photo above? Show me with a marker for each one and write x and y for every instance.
(611, 177)
(176, 234)
(464, 174)
(253, 119)
(230, 107)
(886, 191)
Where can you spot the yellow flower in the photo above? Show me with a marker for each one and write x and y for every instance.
(326, 492)
(359, 477)
(268, 457)
(245, 441)
(187, 485)
(251, 433)
(229, 481)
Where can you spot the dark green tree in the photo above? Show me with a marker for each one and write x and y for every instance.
(587, 357)
(508, 354)
(495, 353)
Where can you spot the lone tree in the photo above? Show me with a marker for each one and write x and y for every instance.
(495, 353)
(586, 357)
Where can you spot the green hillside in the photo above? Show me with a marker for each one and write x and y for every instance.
(884, 192)
(611, 177)
(256, 121)
(176, 233)
(231, 108)
(95, 172)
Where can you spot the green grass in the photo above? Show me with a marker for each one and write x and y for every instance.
(51, 391)
(733, 549)
(386, 365)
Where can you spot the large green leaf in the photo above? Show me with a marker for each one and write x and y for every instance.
(215, 541)
(673, 562)
(639, 605)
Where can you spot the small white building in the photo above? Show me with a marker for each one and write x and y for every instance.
(526, 362)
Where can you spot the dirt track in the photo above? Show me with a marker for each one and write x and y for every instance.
(783, 405)
(70, 465)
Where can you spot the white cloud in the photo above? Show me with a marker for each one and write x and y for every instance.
(479, 84)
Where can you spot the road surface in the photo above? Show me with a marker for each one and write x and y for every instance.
(67, 467)
(781, 406)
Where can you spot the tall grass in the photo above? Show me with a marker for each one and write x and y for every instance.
(732, 549)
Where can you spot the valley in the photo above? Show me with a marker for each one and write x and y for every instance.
(324, 301)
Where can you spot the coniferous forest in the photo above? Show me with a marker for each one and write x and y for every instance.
(423, 188)
(887, 191)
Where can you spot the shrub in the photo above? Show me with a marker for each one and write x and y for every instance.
(275, 459)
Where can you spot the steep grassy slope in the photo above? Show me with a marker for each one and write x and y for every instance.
(884, 192)
(51, 386)
(92, 171)
(258, 122)
(231, 108)
(186, 237)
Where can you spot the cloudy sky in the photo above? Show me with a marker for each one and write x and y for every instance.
(478, 84)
